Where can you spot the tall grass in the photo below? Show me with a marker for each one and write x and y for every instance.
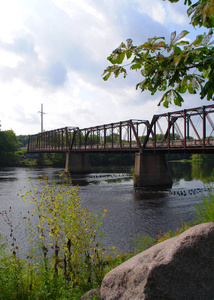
(205, 209)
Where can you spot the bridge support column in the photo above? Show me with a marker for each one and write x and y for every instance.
(77, 163)
(151, 171)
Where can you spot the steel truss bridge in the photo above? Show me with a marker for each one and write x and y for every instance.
(184, 131)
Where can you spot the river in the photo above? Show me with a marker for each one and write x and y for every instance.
(128, 212)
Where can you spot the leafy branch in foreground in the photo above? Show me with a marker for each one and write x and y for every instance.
(176, 67)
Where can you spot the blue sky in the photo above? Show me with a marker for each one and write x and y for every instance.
(53, 52)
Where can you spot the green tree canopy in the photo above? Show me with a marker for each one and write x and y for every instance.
(23, 140)
(8, 141)
(176, 67)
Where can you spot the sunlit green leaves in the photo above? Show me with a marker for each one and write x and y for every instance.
(190, 83)
(202, 13)
(117, 58)
(169, 96)
(176, 67)
(117, 70)
(136, 66)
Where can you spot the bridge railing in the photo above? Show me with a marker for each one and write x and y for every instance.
(184, 130)
(58, 140)
(114, 136)
(188, 129)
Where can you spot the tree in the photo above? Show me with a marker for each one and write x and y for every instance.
(176, 67)
(8, 145)
(8, 141)
(23, 140)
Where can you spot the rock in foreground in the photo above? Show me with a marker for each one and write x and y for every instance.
(179, 268)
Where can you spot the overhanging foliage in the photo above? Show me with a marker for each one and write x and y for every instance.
(176, 67)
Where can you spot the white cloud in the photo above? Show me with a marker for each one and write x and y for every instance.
(177, 16)
(155, 9)
(8, 59)
(12, 14)
(75, 8)
(54, 52)
(164, 13)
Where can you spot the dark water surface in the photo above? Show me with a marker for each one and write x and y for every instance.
(129, 212)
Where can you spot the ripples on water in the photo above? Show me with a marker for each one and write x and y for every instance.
(129, 212)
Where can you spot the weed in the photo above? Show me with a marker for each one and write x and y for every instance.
(205, 209)
(142, 242)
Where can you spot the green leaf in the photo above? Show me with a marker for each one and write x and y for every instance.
(198, 40)
(119, 71)
(191, 89)
(169, 96)
(166, 104)
(117, 58)
(177, 98)
(128, 54)
(136, 66)
(182, 88)
(107, 76)
(181, 35)
(182, 43)
(177, 50)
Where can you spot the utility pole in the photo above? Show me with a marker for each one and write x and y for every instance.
(42, 113)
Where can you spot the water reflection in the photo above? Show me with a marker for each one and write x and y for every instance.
(8, 178)
(191, 171)
(149, 195)
(7, 174)
(180, 172)
(151, 201)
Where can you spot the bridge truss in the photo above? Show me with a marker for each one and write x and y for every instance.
(190, 130)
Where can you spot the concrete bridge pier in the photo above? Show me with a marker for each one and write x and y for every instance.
(77, 163)
(151, 171)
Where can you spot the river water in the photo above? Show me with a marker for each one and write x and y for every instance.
(128, 212)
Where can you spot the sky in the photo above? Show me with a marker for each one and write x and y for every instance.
(53, 52)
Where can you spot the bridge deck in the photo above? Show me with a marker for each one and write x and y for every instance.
(174, 146)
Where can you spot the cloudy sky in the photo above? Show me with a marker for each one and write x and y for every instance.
(53, 52)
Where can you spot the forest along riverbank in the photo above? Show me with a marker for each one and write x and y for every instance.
(128, 213)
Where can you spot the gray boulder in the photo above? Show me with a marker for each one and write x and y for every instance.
(179, 268)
